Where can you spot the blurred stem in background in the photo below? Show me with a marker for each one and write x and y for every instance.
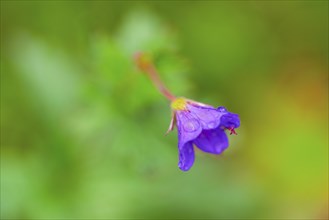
(145, 64)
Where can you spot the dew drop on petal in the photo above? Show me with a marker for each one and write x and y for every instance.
(221, 109)
(211, 124)
(191, 125)
(210, 120)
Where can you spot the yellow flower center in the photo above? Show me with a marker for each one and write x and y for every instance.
(178, 104)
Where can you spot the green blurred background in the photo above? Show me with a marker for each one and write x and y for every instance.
(82, 130)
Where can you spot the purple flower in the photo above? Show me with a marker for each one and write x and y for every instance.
(198, 124)
(201, 125)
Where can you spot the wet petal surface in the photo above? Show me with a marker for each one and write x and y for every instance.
(208, 117)
(188, 127)
(186, 156)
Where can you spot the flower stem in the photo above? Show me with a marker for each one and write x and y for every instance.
(146, 65)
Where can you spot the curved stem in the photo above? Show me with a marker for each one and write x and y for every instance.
(147, 66)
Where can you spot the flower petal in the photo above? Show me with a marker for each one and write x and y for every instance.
(186, 156)
(230, 120)
(208, 116)
(213, 141)
(188, 127)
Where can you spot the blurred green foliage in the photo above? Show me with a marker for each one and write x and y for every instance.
(82, 129)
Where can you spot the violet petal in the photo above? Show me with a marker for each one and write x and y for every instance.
(188, 127)
(186, 156)
(208, 117)
(213, 141)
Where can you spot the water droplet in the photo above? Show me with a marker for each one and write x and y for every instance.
(222, 109)
(191, 125)
(211, 124)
